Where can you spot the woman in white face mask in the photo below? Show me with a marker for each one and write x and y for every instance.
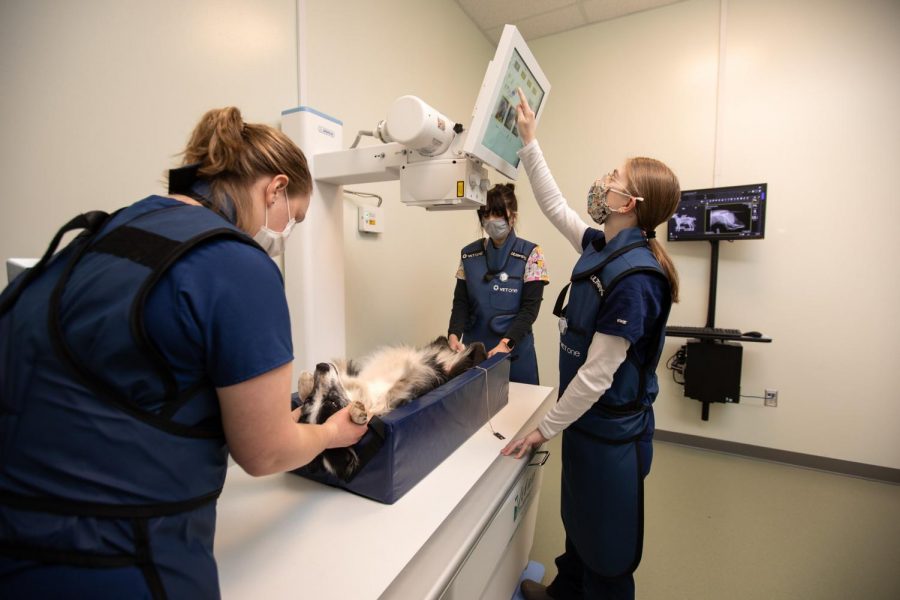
(173, 350)
(499, 288)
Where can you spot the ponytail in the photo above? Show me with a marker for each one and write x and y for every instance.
(665, 261)
(658, 186)
(233, 154)
(216, 142)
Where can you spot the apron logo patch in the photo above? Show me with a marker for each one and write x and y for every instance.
(506, 290)
(597, 283)
(621, 321)
(570, 351)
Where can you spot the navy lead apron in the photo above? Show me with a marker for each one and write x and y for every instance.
(97, 474)
(495, 278)
(607, 451)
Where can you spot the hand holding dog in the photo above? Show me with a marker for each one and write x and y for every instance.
(342, 430)
(455, 344)
(502, 346)
(523, 446)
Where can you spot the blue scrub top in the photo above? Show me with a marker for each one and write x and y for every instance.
(220, 313)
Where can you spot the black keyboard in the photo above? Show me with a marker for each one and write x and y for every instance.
(701, 332)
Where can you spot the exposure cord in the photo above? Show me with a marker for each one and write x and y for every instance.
(487, 405)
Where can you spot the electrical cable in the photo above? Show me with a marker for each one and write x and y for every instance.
(364, 195)
(677, 364)
(487, 404)
(359, 135)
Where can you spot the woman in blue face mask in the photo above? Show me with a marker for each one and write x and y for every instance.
(499, 288)
(134, 360)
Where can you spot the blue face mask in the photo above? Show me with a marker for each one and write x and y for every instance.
(497, 229)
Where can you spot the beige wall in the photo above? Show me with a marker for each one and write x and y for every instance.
(99, 96)
(809, 104)
(362, 56)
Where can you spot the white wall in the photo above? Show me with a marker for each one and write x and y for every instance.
(809, 105)
(99, 96)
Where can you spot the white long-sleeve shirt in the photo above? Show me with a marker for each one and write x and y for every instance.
(606, 352)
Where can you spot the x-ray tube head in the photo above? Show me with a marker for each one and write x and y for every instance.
(418, 126)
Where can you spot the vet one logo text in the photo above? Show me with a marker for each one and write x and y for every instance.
(505, 290)
(570, 351)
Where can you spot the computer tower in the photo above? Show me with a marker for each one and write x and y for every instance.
(712, 371)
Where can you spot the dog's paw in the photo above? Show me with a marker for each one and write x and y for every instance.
(305, 385)
(358, 413)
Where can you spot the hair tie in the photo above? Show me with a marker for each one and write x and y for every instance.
(651, 234)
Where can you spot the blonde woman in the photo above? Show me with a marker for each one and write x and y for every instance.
(612, 331)
(135, 359)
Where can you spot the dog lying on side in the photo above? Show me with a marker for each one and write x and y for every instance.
(375, 385)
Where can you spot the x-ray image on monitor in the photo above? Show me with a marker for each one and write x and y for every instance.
(728, 218)
(511, 119)
(726, 213)
(684, 222)
(502, 110)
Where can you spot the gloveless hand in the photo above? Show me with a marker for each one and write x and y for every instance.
(525, 122)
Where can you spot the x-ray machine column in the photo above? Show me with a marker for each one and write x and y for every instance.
(314, 262)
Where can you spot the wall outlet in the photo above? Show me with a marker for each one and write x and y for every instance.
(771, 398)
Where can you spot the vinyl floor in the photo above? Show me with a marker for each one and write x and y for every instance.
(725, 527)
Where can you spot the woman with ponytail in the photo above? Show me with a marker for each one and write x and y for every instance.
(136, 359)
(612, 331)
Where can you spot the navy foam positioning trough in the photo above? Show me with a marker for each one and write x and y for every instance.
(421, 434)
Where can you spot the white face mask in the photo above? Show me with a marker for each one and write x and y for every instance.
(273, 241)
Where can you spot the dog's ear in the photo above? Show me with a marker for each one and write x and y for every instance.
(474, 354)
(346, 367)
(305, 385)
(441, 342)
(478, 353)
(352, 368)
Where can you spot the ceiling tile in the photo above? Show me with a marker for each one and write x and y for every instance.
(492, 13)
(604, 10)
(549, 23)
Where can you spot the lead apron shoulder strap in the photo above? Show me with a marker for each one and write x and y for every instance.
(158, 253)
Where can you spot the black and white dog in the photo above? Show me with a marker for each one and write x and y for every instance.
(375, 385)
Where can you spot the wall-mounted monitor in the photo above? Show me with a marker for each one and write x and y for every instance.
(724, 213)
(493, 136)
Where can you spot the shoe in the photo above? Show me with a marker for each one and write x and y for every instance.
(532, 590)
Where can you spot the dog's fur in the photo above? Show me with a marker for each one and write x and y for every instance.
(375, 385)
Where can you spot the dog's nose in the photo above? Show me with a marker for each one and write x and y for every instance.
(323, 367)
